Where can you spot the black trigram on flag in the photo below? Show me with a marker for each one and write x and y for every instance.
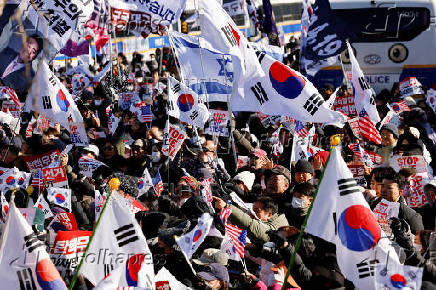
(26, 280)
(366, 268)
(176, 88)
(126, 234)
(229, 35)
(260, 93)
(347, 186)
(313, 103)
(170, 105)
(46, 102)
(31, 242)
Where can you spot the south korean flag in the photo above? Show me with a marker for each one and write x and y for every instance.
(283, 91)
(341, 216)
(184, 105)
(117, 238)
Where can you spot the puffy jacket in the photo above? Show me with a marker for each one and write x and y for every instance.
(256, 229)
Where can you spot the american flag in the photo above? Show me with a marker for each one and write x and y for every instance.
(301, 130)
(400, 107)
(146, 115)
(158, 184)
(367, 128)
(37, 180)
(206, 189)
(10, 94)
(355, 147)
(237, 235)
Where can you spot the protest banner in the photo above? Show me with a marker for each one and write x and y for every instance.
(410, 86)
(55, 177)
(383, 211)
(12, 108)
(345, 104)
(358, 173)
(354, 124)
(64, 221)
(234, 7)
(68, 248)
(415, 196)
(173, 140)
(35, 162)
(87, 165)
(218, 122)
(416, 162)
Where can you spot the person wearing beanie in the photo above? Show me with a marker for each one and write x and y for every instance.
(245, 180)
(303, 171)
(389, 138)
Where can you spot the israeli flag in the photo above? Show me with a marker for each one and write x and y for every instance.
(206, 71)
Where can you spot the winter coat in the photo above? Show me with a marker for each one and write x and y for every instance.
(256, 229)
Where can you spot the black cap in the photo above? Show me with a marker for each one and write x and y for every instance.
(304, 166)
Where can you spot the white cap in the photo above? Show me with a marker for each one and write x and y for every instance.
(246, 177)
(92, 148)
(414, 132)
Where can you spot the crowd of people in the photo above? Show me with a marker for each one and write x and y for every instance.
(268, 196)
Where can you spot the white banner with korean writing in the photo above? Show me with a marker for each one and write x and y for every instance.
(173, 139)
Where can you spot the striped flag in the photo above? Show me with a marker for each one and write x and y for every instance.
(355, 147)
(8, 93)
(400, 107)
(146, 115)
(158, 184)
(367, 128)
(237, 235)
(37, 180)
(301, 130)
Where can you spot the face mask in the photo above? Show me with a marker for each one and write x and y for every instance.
(97, 102)
(298, 203)
(155, 156)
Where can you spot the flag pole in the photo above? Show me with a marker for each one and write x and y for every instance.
(73, 282)
(303, 227)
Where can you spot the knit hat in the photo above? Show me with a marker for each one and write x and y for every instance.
(258, 153)
(247, 178)
(214, 271)
(304, 166)
(414, 132)
(210, 256)
(392, 128)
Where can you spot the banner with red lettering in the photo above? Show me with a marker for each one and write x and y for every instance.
(55, 177)
(35, 162)
(414, 192)
(218, 122)
(358, 173)
(345, 104)
(12, 108)
(68, 249)
(64, 221)
(354, 124)
(172, 140)
(417, 162)
(383, 212)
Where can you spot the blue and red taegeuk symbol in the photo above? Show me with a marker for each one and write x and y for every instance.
(60, 198)
(133, 266)
(185, 102)
(285, 81)
(62, 101)
(358, 229)
(398, 281)
(47, 275)
(197, 235)
(21, 181)
(10, 180)
(140, 183)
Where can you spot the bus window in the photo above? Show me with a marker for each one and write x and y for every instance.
(386, 24)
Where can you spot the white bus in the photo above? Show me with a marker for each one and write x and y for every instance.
(397, 39)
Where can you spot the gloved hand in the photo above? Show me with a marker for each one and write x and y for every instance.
(401, 230)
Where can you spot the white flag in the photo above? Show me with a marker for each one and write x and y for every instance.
(190, 242)
(341, 216)
(184, 104)
(213, 77)
(299, 148)
(431, 99)
(5, 206)
(397, 276)
(363, 94)
(43, 205)
(60, 196)
(24, 263)
(219, 29)
(117, 238)
(145, 182)
(283, 91)
(54, 101)
(165, 280)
